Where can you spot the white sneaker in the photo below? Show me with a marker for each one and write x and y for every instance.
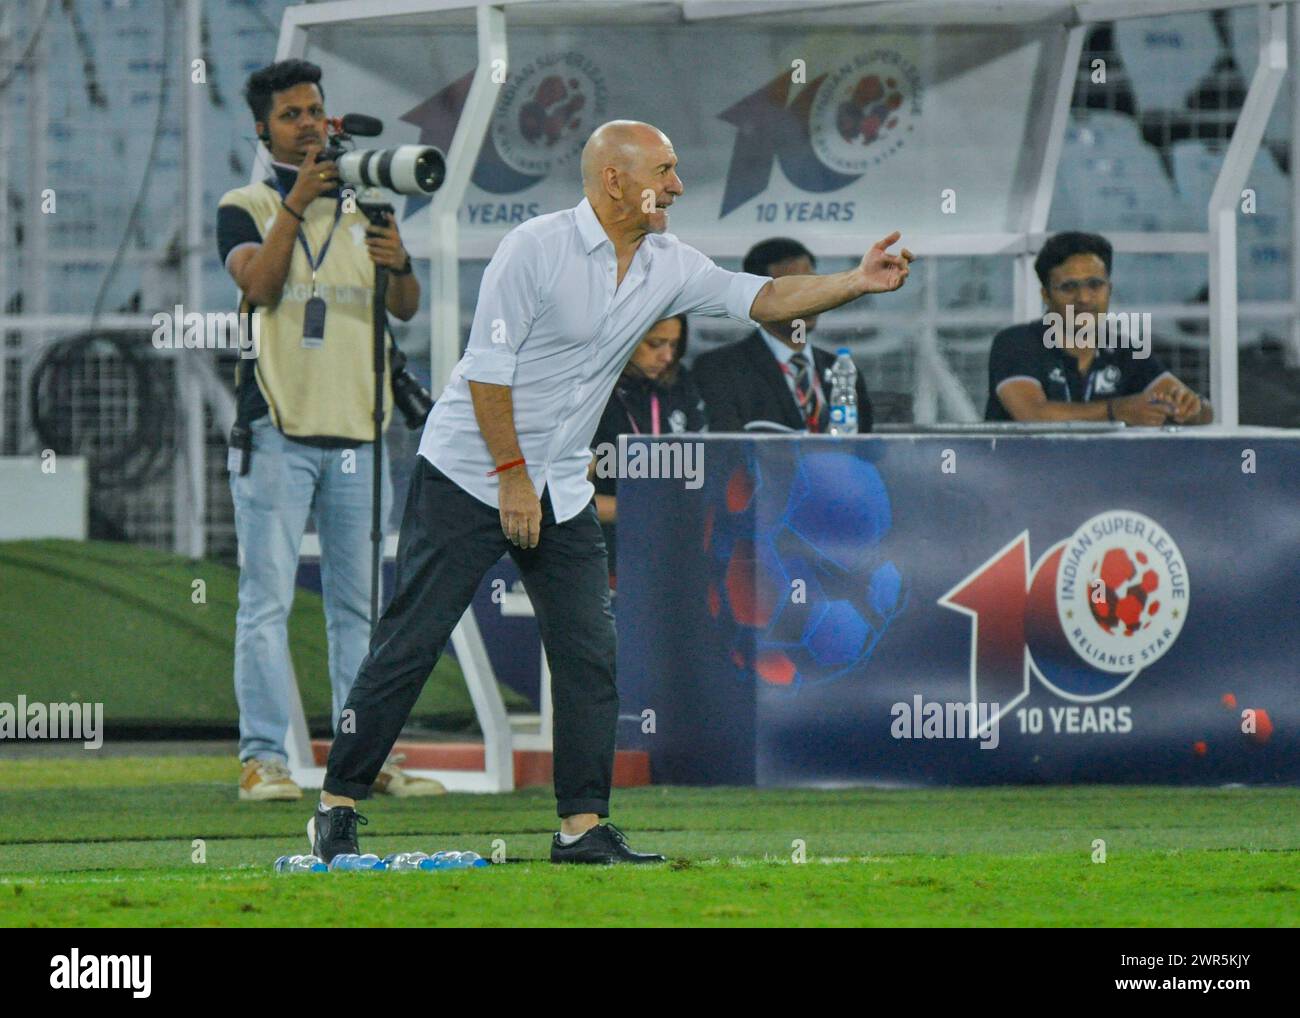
(267, 781)
(392, 780)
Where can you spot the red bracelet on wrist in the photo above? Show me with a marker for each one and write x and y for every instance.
(506, 466)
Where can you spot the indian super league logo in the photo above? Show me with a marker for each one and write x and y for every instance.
(1094, 611)
(864, 111)
(1121, 591)
(546, 112)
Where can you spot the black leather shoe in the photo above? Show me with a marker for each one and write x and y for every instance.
(334, 833)
(604, 843)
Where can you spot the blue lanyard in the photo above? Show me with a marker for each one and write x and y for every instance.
(302, 239)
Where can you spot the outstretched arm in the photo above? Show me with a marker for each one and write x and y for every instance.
(789, 297)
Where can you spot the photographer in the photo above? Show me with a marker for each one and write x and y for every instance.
(304, 259)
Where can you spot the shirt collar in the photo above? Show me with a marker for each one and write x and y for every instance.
(285, 173)
(780, 351)
(589, 228)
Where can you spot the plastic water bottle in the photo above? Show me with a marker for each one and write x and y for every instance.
(351, 861)
(844, 394)
(457, 860)
(402, 861)
(299, 864)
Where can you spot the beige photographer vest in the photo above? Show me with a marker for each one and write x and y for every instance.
(324, 390)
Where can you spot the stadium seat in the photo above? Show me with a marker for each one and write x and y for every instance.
(1165, 58)
(1109, 180)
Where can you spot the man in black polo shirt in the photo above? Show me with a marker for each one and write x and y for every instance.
(1040, 371)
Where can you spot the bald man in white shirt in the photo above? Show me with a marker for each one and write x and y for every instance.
(502, 465)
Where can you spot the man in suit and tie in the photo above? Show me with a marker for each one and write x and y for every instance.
(774, 374)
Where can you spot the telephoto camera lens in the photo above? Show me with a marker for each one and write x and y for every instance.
(406, 169)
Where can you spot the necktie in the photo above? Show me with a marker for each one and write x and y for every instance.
(803, 390)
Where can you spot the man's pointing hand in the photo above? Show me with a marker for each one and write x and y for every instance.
(881, 271)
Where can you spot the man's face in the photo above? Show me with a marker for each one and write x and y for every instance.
(658, 348)
(800, 265)
(296, 122)
(1079, 280)
(654, 171)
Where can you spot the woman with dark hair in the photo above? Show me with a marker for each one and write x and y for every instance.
(654, 396)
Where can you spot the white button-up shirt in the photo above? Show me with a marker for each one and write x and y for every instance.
(551, 324)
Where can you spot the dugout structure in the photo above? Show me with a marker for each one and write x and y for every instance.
(928, 342)
(836, 119)
(750, 90)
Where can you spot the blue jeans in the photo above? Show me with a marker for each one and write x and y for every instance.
(287, 481)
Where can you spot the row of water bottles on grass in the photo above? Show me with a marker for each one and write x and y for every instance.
(397, 861)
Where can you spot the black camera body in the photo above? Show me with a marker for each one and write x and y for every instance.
(411, 398)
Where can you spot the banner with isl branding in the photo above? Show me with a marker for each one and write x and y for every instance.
(817, 132)
(944, 609)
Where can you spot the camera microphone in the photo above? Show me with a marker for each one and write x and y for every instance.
(406, 169)
(360, 125)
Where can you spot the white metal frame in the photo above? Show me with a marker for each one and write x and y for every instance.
(936, 383)
(498, 774)
(191, 485)
(198, 385)
(502, 733)
(7, 48)
(444, 290)
(297, 20)
(1224, 200)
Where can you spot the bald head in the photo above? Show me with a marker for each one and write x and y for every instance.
(629, 175)
(621, 144)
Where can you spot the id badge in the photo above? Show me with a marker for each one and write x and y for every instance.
(313, 324)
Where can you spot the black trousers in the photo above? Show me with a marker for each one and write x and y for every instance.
(448, 540)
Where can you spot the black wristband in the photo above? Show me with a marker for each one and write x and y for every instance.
(284, 205)
(405, 270)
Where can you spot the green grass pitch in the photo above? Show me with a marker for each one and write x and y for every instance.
(110, 842)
